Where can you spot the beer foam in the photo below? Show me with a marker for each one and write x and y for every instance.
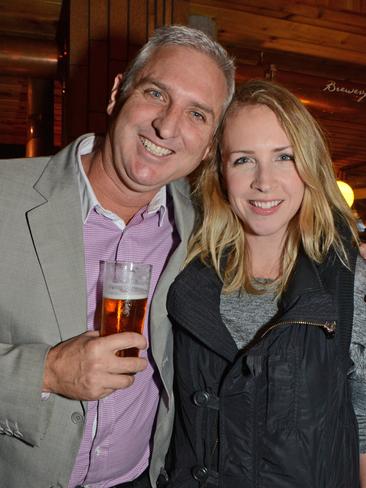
(120, 295)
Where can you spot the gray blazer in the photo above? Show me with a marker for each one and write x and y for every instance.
(43, 302)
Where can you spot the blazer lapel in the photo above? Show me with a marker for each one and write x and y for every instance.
(56, 229)
(159, 324)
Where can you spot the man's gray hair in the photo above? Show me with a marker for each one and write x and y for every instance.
(184, 36)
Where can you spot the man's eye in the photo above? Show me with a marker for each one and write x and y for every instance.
(198, 116)
(154, 94)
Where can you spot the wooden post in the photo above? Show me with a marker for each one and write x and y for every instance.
(39, 118)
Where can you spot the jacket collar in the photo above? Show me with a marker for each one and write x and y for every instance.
(194, 303)
(304, 279)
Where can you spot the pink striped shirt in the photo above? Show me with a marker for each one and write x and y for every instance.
(115, 446)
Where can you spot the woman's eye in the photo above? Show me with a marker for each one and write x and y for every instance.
(243, 160)
(286, 157)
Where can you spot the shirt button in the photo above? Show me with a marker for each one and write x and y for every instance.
(77, 418)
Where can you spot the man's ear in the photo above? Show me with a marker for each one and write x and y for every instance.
(115, 91)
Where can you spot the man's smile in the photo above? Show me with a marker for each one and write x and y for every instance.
(155, 149)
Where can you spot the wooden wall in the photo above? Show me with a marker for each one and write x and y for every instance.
(103, 36)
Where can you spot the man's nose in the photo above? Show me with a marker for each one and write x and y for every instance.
(167, 122)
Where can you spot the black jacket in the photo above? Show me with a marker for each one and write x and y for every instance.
(278, 414)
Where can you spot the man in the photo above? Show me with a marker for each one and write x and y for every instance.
(72, 413)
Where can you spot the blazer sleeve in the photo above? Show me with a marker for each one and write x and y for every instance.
(23, 412)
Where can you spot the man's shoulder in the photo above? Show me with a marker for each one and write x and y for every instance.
(21, 172)
(28, 170)
(13, 165)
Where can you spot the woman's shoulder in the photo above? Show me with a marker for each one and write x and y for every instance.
(359, 310)
(197, 269)
(360, 276)
(197, 283)
(197, 278)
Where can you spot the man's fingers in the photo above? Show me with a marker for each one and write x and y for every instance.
(125, 340)
(91, 333)
(125, 365)
(119, 381)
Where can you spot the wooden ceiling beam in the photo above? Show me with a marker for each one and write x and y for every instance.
(242, 29)
(28, 57)
(299, 11)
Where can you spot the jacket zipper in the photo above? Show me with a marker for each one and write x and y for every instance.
(328, 327)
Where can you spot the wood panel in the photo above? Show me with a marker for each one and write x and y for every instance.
(116, 31)
(328, 98)
(24, 18)
(28, 32)
(305, 12)
(282, 34)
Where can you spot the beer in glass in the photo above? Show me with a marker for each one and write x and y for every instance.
(125, 291)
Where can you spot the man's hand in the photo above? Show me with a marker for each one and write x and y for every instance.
(86, 367)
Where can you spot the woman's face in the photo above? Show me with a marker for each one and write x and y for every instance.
(264, 188)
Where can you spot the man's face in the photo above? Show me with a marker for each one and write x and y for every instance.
(165, 127)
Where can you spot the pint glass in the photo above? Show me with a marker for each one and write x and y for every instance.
(125, 291)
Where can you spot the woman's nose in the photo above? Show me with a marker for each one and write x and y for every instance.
(263, 179)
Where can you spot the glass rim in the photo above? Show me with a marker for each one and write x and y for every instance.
(129, 263)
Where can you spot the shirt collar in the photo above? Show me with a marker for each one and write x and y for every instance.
(89, 200)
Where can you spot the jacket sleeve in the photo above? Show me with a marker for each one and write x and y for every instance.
(357, 376)
(23, 413)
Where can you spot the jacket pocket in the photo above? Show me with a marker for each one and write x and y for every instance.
(282, 391)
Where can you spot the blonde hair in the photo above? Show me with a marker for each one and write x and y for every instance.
(219, 238)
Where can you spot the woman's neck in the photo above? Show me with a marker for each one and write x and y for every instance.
(265, 256)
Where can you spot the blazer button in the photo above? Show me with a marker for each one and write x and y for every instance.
(200, 398)
(77, 418)
(200, 473)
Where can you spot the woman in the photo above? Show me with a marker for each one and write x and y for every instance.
(263, 312)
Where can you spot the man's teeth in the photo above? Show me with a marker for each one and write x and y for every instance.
(271, 204)
(154, 149)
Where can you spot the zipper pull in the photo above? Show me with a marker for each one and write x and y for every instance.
(329, 328)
